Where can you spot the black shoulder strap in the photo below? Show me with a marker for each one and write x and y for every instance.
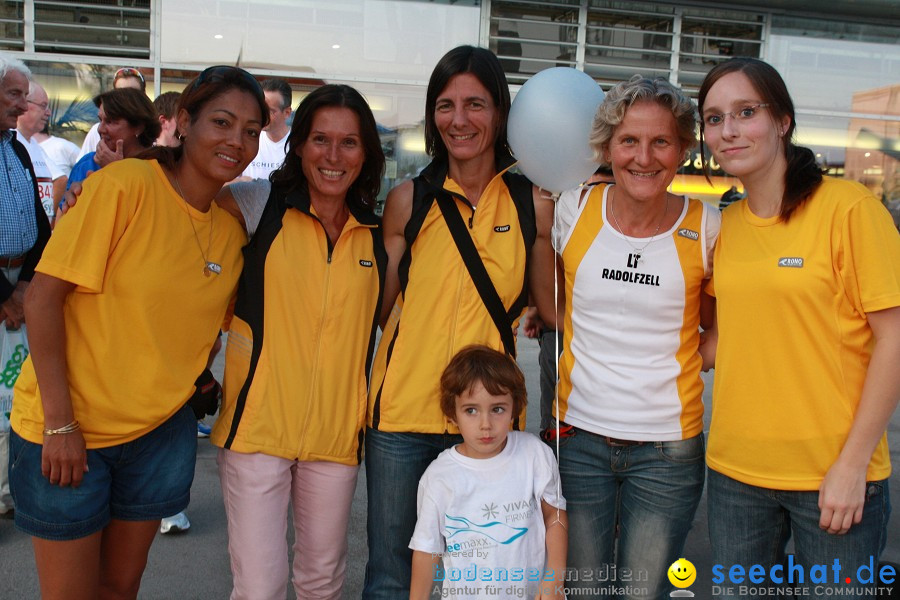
(520, 190)
(477, 272)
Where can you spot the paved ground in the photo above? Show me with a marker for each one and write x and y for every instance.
(194, 565)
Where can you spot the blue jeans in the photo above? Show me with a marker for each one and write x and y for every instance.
(650, 491)
(394, 464)
(547, 360)
(750, 525)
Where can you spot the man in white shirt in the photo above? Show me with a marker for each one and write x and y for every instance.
(60, 150)
(274, 135)
(50, 177)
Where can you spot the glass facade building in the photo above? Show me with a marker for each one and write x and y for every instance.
(841, 60)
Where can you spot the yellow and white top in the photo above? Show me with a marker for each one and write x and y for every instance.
(630, 367)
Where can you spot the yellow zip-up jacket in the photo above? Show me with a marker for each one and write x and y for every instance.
(302, 337)
(439, 310)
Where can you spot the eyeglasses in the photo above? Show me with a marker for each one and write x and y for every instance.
(745, 113)
(43, 106)
(227, 74)
(128, 72)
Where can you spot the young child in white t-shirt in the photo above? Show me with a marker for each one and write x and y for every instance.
(491, 518)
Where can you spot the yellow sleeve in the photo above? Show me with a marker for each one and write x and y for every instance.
(869, 259)
(79, 250)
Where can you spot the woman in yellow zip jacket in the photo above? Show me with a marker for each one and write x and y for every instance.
(299, 350)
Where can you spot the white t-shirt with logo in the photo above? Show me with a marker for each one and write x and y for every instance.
(44, 169)
(484, 517)
(270, 156)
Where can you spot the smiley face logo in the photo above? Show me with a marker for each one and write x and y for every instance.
(682, 573)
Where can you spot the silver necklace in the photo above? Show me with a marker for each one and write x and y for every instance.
(209, 267)
(638, 252)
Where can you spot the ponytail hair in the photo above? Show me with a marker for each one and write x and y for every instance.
(802, 175)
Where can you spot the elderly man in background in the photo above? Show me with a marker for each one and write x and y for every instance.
(24, 231)
(50, 177)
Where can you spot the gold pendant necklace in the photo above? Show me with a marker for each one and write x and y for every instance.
(209, 267)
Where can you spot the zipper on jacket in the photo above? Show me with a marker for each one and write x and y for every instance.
(325, 291)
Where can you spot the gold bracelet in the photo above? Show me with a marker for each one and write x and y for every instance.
(73, 426)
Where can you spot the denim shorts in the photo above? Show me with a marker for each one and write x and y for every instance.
(142, 480)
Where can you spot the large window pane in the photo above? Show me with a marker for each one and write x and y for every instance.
(532, 36)
(376, 39)
(93, 27)
(12, 26)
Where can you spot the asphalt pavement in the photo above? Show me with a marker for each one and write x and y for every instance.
(194, 565)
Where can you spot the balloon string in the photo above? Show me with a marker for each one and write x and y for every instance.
(554, 231)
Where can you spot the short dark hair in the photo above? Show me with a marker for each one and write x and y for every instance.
(496, 371)
(485, 66)
(802, 176)
(281, 86)
(135, 107)
(367, 185)
(167, 104)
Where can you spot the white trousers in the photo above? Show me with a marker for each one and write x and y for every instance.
(257, 489)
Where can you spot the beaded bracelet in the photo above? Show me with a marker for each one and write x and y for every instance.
(73, 426)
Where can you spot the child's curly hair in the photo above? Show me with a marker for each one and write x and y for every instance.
(497, 372)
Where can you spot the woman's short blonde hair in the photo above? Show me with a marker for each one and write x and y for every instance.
(638, 89)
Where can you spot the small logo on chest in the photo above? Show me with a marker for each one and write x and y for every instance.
(365, 263)
(501, 228)
(689, 234)
(795, 262)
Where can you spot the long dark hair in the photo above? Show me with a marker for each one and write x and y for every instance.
(206, 87)
(134, 107)
(485, 66)
(364, 191)
(802, 175)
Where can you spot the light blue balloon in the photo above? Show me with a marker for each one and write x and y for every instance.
(549, 126)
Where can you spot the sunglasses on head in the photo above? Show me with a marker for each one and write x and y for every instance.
(228, 74)
(128, 72)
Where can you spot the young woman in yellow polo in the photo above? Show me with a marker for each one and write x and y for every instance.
(122, 314)
(807, 283)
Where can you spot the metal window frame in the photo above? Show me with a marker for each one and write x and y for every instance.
(758, 20)
(32, 45)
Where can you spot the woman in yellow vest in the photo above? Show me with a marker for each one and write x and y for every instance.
(299, 350)
(122, 314)
(807, 282)
(439, 310)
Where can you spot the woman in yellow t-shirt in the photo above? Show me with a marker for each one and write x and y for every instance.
(122, 314)
(807, 283)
